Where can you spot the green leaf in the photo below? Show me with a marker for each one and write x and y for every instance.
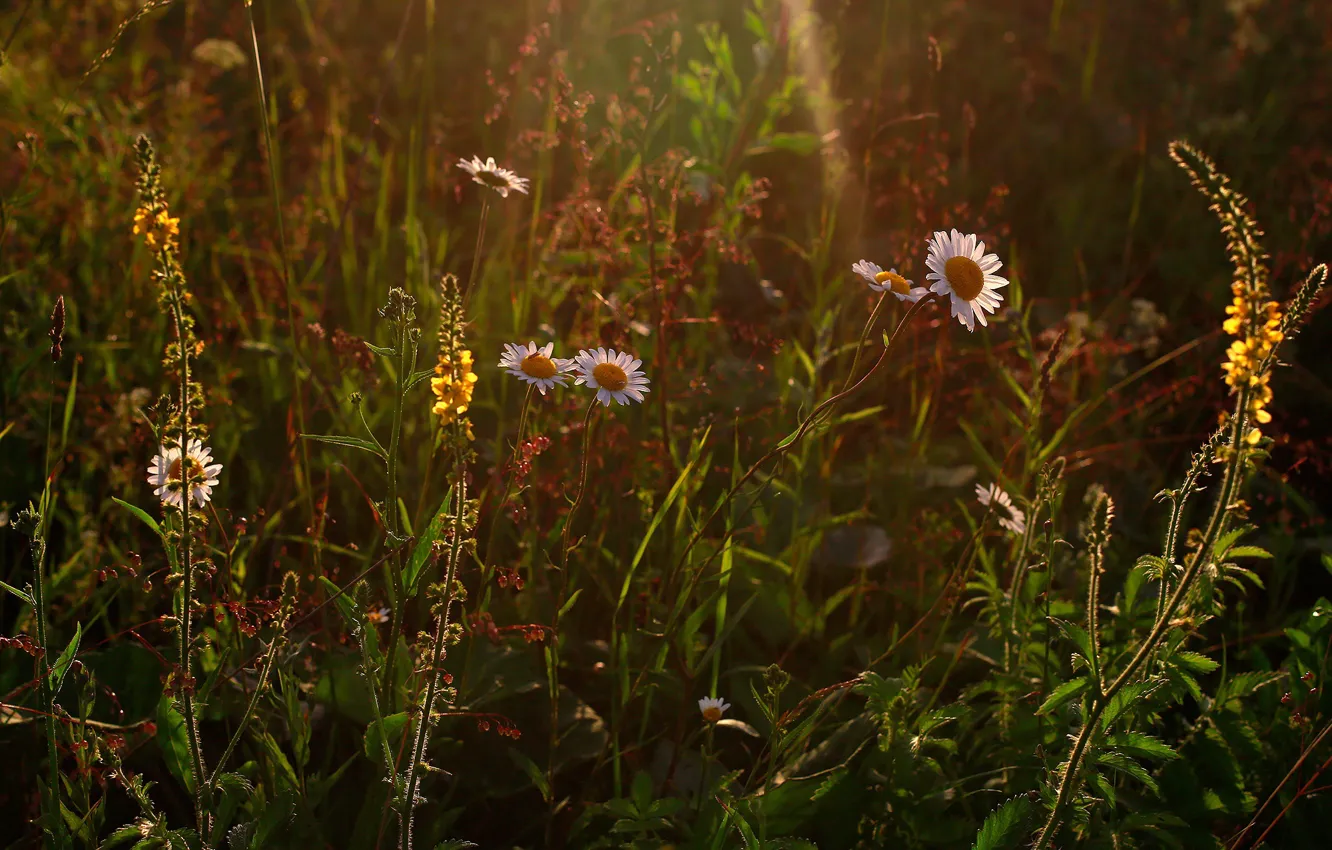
(417, 377)
(1078, 635)
(1194, 662)
(1064, 694)
(349, 442)
(382, 737)
(14, 590)
(174, 742)
(1122, 763)
(534, 773)
(141, 514)
(569, 603)
(800, 144)
(1248, 552)
(381, 350)
(1127, 698)
(1005, 827)
(1140, 745)
(434, 530)
(66, 658)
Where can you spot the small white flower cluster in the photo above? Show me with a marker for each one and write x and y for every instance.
(615, 375)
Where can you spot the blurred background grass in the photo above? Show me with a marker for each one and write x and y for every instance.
(1042, 125)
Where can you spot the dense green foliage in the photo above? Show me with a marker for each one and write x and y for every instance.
(424, 605)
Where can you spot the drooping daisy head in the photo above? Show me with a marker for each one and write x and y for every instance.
(535, 365)
(614, 375)
(1010, 516)
(171, 471)
(489, 174)
(961, 269)
(889, 281)
(712, 708)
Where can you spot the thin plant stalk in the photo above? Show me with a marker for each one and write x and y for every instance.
(187, 587)
(438, 649)
(476, 254)
(553, 648)
(393, 521)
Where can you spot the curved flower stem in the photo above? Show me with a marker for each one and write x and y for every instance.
(1070, 781)
(864, 337)
(476, 254)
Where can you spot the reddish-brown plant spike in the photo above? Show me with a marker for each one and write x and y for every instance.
(57, 332)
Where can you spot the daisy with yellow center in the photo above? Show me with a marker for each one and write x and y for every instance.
(1015, 521)
(889, 281)
(962, 270)
(614, 375)
(534, 365)
(170, 472)
(489, 174)
(712, 708)
(453, 385)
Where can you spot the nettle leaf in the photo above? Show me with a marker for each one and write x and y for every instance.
(1140, 745)
(1078, 635)
(1249, 552)
(1121, 762)
(1005, 827)
(383, 736)
(173, 740)
(1194, 662)
(1065, 694)
(412, 574)
(1129, 697)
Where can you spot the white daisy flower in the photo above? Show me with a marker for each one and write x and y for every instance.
(889, 281)
(960, 268)
(1016, 521)
(489, 174)
(613, 375)
(534, 365)
(712, 708)
(164, 473)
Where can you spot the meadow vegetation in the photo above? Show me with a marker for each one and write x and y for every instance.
(665, 424)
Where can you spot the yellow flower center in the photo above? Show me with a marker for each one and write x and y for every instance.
(538, 366)
(712, 714)
(173, 474)
(895, 282)
(611, 377)
(965, 277)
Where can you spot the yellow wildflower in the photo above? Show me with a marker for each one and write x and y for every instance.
(158, 231)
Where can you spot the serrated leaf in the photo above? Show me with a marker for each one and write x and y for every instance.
(1077, 634)
(1194, 662)
(1128, 697)
(348, 442)
(434, 530)
(1005, 827)
(1248, 552)
(1123, 763)
(382, 737)
(1064, 694)
(1140, 745)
